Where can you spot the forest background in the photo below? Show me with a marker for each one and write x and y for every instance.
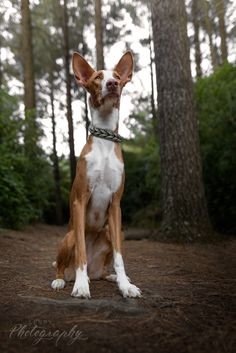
(44, 116)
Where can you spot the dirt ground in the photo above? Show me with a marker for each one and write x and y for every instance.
(188, 302)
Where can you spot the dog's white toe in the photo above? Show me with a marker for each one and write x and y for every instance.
(58, 284)
(81, 290)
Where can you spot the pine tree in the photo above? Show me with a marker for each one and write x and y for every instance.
(68, 91)
(208, 25)
(220, 11)
(99, 35)
(183, 199)
(196, 41)
(27, 57)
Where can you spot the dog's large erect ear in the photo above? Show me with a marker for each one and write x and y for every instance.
(82, 70)
(125, 67)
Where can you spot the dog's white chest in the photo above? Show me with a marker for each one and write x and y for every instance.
(104, 171)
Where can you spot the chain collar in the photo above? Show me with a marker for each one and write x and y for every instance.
(105, 134)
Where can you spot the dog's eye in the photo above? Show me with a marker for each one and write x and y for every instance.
(117, 77)
(98, 77)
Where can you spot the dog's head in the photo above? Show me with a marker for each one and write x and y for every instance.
(104, 86)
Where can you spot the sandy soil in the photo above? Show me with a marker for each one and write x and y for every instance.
(188, 302)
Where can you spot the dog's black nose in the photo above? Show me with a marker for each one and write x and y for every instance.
(111, 85)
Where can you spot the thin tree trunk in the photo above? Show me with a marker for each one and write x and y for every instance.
(27, 59)
(153, 106)
(220, 11)
(84, 92)
(86, 114)
(1, 29)
(29, 81)
(1, 75)
(209, 30)
(195, 20)
(183, 199)
(68, 92)
(99, 34)
(56, 169)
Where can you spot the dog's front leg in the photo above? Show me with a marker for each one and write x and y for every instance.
(81, 285)
(127, 289)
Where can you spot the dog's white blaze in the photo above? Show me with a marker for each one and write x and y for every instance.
(107, 75)
(81, 285)
(104, 171)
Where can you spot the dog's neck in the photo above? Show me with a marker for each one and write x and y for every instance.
(106, 116)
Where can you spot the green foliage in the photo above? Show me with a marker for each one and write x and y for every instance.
(49, 210)
(15, 207)
(141, 196)
(216, 112)
(140, 202)
(24, 181)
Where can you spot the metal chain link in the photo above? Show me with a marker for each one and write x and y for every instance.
(105, 134)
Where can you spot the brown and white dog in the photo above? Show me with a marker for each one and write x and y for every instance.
(95, 238)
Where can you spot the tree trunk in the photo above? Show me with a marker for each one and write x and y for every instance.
(184, 207)
(99, 35)
(209, 30)
(1, 75)
(68, 92)
(220, 11)
(86, 118)
(195, 20)
(153, 106)
(30, 135)
(56, 170)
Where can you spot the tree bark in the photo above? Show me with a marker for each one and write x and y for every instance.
(185, 214)
(220, 11)
(195, 20)
(1, 75)
(27, 57)
(68, 92)
(86, 117)
(153, 106)
(30, 135)
(99, 34)
(56, 169)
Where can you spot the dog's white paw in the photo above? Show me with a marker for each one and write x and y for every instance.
(58, 284)
(128, 289)
(131, 291)
(81, 290)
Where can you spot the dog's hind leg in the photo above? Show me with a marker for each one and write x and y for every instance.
(64, 258)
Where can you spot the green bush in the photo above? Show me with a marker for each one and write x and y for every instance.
(15, 207)
(216, 113)
(140, 202)
(24, 183)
